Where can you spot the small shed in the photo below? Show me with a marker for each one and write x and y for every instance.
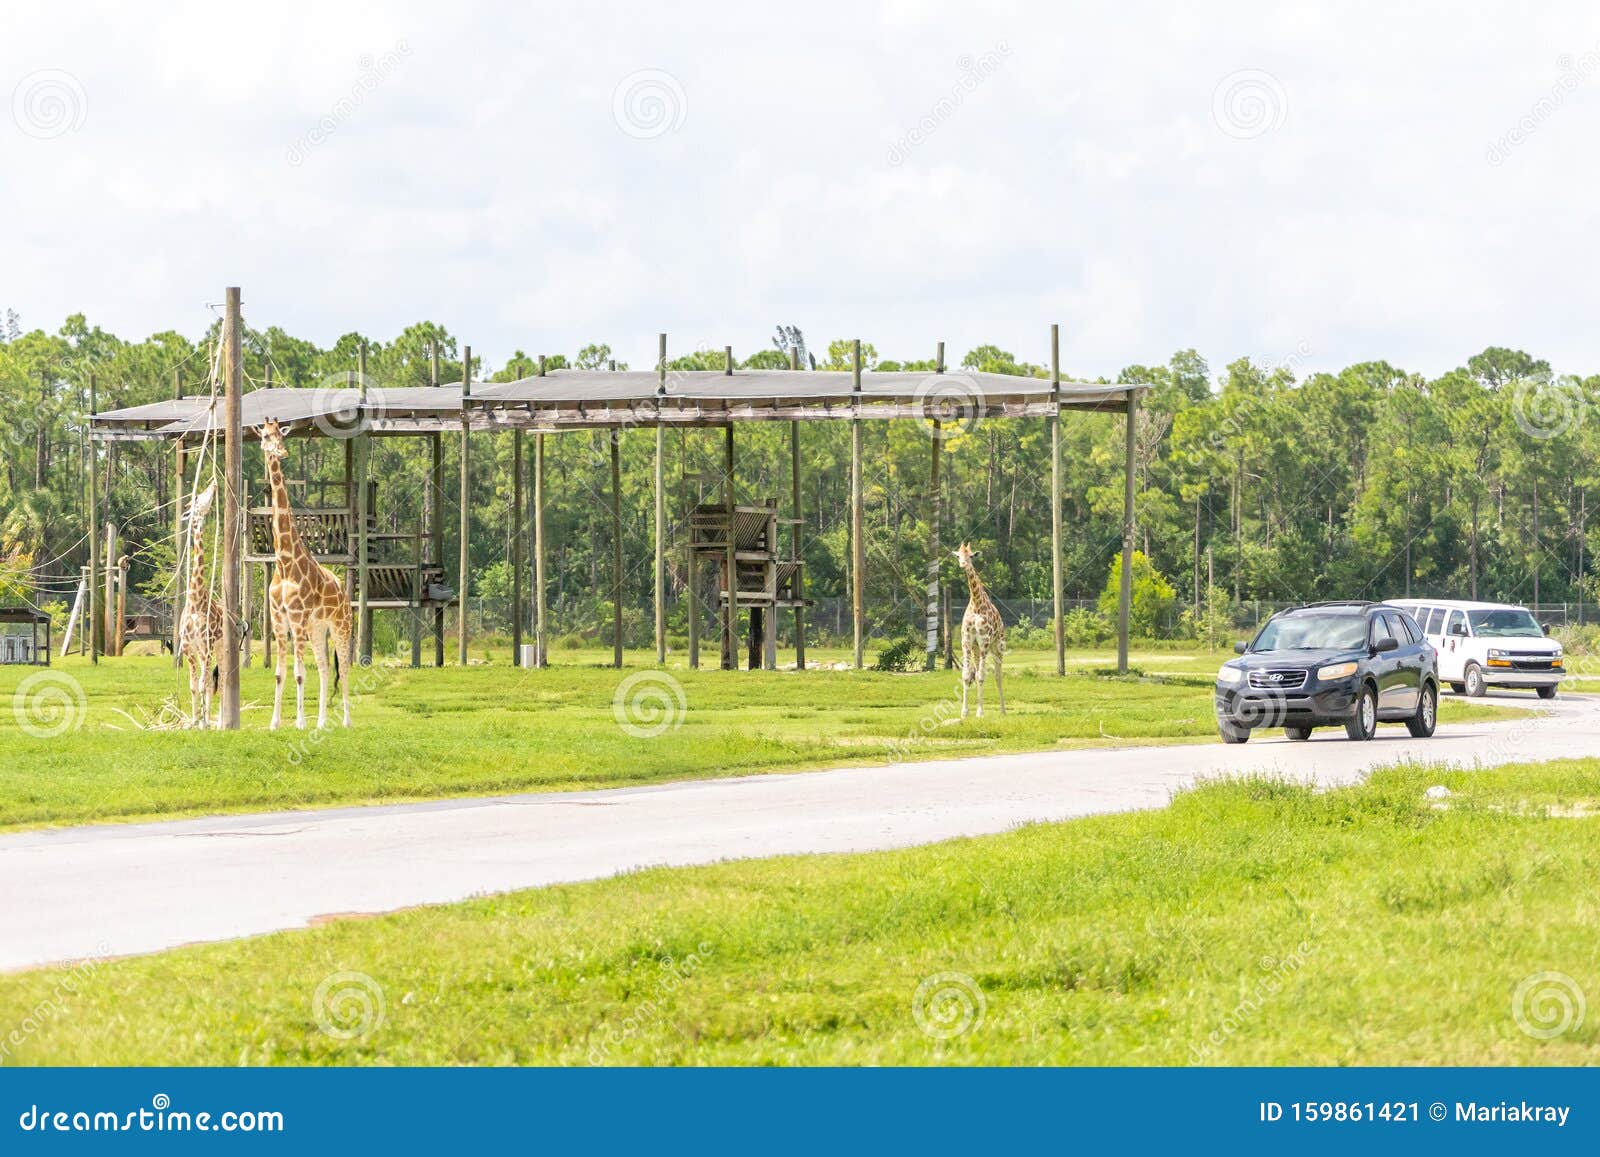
(30, 647)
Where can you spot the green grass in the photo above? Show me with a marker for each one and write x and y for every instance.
(1253, 922)
(492, 728)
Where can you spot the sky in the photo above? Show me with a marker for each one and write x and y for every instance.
(1295, 183)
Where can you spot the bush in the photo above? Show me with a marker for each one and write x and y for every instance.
(1085, 628)
(1213, 626)
(903, 655)
(1153, 596)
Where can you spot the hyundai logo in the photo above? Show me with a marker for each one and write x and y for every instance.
(1275, 677)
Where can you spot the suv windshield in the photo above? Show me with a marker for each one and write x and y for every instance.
(1508, 623)
(1312, 633)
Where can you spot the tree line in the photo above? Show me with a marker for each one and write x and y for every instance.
(1252, 483)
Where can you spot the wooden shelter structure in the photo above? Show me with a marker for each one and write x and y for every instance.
(32, 648)
(768, 573)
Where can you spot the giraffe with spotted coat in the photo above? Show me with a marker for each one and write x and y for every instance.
(983, 635)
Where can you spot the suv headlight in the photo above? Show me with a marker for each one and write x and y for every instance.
(1335, 671)
(1229, 674)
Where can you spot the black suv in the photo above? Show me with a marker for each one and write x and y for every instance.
(1350, 664)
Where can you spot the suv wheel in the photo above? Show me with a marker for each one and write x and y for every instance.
(1298, 734)
(1364, 723)
(1421, 724)
(1475, 684)
(1547, 692)
(1232, 733)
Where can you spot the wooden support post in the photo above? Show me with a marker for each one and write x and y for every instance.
(1125, 595)
(616, 547)
(122, 602)
(661, 508)
(934, 561)
(108, 634)
(730, 620)
(857, 550)
(798, 515)
(465, 559)
(363, 517)
(541, 621)
(246, 595)
(516, 548)
(233, 464)
(86, 625)
(94, 625)
(416, 596)
(436, 509)
(1057, 579)
(180, 494)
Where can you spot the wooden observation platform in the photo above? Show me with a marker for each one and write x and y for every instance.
(766, 578)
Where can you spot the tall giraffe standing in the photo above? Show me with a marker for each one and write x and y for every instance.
(306, 600)
(200, 629)
(983, 634)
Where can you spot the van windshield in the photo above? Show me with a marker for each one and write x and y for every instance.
(1312, 633)
(1505, 623)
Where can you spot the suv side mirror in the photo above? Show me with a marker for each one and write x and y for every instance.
(1240, 648)
(1385, 644)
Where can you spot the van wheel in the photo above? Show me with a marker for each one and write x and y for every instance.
(1459, 688)
(1547, 692)
(1298, 734)
(1364, 723)
(1232, 734)
(1475, 684)
(1421, 724)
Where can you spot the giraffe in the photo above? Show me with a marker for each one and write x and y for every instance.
(200, 630)
(307, 602)
(982, 634)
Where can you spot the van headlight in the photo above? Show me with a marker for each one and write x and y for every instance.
(1229, 674)
(1497, 653)
(1335, 671)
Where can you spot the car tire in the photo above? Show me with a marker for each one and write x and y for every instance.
(1459, 688)
(1475, 685)
(1547, 692)
(1364, 723)
(1298, 734)
(1232, 733)
(1421, 724)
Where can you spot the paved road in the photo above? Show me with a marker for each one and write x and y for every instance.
(121, 889)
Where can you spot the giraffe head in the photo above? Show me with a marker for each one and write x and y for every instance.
(202, 505)
(964, 555)
(272, 440)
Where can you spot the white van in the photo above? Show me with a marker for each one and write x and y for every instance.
(1483, 645)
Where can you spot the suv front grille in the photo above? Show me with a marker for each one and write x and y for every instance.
(1278, 679)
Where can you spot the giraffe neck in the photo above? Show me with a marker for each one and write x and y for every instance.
(975, 586)
(286, 542)
(199, 580)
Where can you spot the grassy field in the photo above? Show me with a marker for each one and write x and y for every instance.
(1250, 923)
(492, 728)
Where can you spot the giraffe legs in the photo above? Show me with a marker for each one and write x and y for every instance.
(280, 659)
(344, 656)
(299, 681)
(999, 684)
(319, 653)
(196, 668)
